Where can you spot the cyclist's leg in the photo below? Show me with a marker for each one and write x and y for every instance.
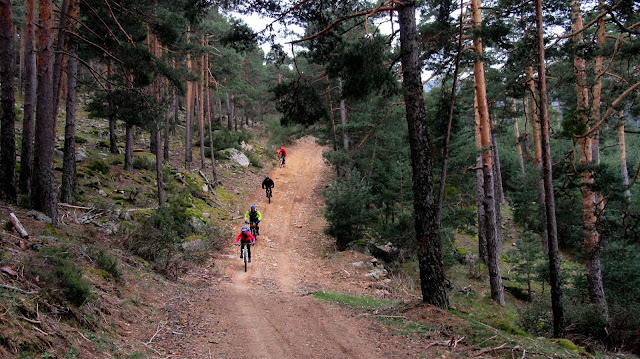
(241, 246)
(249, 251)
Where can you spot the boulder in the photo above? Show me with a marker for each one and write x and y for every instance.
(236, 157)
(376, 274)
(81, 156)
(246, 146)
(39, 216)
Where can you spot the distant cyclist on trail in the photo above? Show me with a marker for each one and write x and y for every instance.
(245, 238)
(253, 216)
(267, 183)
(282, 153)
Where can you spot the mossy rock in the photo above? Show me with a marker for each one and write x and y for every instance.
(143, 262)
(568, 344)
(508, 327)
(101, 272)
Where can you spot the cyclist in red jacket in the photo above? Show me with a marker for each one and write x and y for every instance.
(245, 238)
(282, 153)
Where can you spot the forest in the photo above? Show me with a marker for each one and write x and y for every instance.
(510, 124)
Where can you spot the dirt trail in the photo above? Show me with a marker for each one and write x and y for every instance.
(267, 312)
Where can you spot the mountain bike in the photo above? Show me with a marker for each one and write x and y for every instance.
(254, 229)
(269, 194)
(245, 253)
(281, 161)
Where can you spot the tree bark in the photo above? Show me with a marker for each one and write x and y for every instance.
(537, 147)
(43, 186)
(26, 155)
(593, 238)
(201, 104)
(495, 278)
(624, 172)
(113, 138)
(69, 162)
(555, 273)
(432, 279)
(128, 148)
(59, 57)
(343, 118)
(8, 189)
(516, 132)
(188, 155)
(229, 114)
(482, 218)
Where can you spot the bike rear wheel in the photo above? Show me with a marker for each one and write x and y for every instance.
(245, 256)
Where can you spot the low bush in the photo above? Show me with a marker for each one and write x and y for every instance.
(144, 162)
(166, 238)
(107, 262)
(58, 269)
(99, 165)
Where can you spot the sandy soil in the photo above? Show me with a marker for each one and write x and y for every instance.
(268, 312)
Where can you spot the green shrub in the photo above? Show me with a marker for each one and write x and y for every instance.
(61, 270)
(348, 200)
(104, 144)
(144, 162)
(159, 236)
(107, 262)
(535, 318)
(80, 139)
(253, 159)
(223, 138)
(98, 165)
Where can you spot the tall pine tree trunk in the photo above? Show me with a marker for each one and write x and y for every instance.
(482, 218)
(343, 118)
(43, 186)
(624, 172)
(537, 147)
(555, 272)
(229, 113)
(59, 57)
(201, 104)
(113, 138)
(490, 200)
(188, 155)
(26, 155)
(432, 280)
(516, 132)
(8, 189)
(593, 238)
(69, 162)
(159, 179)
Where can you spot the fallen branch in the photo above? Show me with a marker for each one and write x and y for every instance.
(74, 207)
(206, 180)
(15, 222)
(160, 327)
(83, 337)
(30, 320)
(40, 330)
(17, 289)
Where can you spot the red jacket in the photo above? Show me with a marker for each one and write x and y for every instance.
(247, 238)
(282, 151)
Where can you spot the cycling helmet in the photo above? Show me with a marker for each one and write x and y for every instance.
(245, 229)
(253, 208)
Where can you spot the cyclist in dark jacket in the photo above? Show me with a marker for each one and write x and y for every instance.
(267, 183)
